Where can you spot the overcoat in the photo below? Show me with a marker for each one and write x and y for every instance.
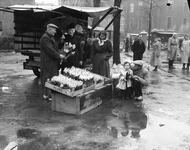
(155, 57)
(49, 57)
(77, 57)
(138, 50)
(100, 55)
(185, 48)
(173, 47)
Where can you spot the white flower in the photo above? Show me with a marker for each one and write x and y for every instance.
(74, 46)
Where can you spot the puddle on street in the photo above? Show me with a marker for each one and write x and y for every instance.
(28, 133)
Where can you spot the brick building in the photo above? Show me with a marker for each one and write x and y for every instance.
(175, 17)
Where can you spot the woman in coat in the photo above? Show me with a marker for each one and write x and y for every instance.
(76, 58)
(173, 47)
(101, 51)
(155, 58)
(185, 49)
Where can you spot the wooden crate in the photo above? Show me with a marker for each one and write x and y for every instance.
(82, 103)
(64, 91)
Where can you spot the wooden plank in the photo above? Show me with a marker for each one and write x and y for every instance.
(63, 91)
(64, 103)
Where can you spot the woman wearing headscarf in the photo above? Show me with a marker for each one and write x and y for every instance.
(101, 52)
(185, 49)
(173, 47)
(71, 39)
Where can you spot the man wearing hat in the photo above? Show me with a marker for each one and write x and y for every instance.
(75, 59)
(138, 48)
(49, 58)
(139, 79)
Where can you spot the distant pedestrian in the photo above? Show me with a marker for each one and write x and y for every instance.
(101, 51)
(185, 49)
(155, 57)
(127, 44)
(173, 47)
(138, 48)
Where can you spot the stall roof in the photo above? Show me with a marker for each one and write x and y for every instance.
(90, 11)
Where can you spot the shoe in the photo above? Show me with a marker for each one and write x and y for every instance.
(155, 70)
(45, 97)
(140, 98)
(187, 68)
(183, 68)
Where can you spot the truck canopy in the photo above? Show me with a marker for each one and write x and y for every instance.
(64, 9)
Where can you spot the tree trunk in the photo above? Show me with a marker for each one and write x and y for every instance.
(150, 23)
(116, 35)
(96, 3)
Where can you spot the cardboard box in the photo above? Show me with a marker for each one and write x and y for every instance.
(82, 103)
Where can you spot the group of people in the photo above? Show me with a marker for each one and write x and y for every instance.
(132, 79)
(174, 48)
(52, 60)
(135, 74)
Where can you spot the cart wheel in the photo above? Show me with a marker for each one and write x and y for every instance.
(36, 71)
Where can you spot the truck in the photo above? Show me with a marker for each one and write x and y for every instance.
(30, 23)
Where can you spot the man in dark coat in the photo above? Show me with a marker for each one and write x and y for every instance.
(76, 58)
(138, 48)
(49, 57)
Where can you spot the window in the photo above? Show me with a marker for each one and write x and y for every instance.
(171, 6)
(185, 21)
(132, 8)
(122, 24)
(140, 5)
(169, 22)
(140, 23)
(131, 24)
(185, 6)
(0, 26)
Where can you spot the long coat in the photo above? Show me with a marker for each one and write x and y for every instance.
(77, 57)
(138, 50)
(185, 51)
(100, 55)
(49, 57)
(155, 57)
(173, 47)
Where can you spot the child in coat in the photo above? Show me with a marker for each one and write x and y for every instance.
(125, 84)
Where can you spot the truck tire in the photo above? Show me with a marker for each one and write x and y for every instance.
(36, 71)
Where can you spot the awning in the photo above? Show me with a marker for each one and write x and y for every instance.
(90, 11)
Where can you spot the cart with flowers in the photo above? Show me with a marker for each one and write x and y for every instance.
(77, 91)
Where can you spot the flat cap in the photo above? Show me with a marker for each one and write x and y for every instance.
(52, 26)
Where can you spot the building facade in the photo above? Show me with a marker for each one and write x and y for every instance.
(175, 17)
(6, 18)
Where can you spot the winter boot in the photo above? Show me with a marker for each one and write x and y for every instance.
(187, 66)
(183, 66)
(170, 64)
